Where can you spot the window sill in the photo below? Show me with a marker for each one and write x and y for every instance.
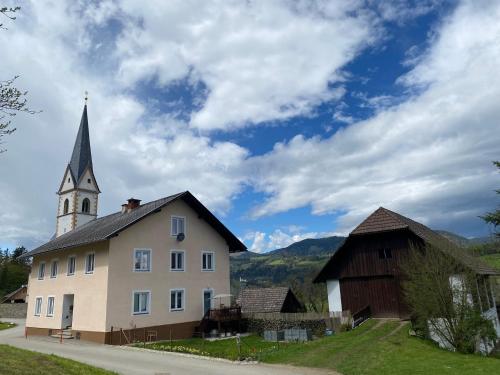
(140, 313)
(208, 270)
(176, 270)
(176, 310)
(70, 274)
(139, 271)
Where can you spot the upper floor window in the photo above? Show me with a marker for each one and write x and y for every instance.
(207, 261)
(50, 306)
(384, 253)
(66, 206)
(178, 225)
(71, 265)
(53, 269)
(86, 205)
(141, 302)
(90, 263)
(177, 260)
(142, 260)
(41, 270)
(176, 299)
(38, 306)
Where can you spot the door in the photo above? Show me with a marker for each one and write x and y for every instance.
(207, 300)
(67, 310)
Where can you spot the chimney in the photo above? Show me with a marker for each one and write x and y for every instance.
(132, 204)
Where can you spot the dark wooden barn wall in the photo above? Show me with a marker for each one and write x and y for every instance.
(366, 279)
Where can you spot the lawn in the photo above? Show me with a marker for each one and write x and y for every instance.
(5, 325)
(366, 350)
(20, 362)
(492, 259)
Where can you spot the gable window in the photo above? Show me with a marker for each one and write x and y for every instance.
(86, 205)
(66, 206)
(178, 225)
(385, 253)
(71, 265)
(50, 306)
(41, 270)
(176, 299)
(53, 269)
(38, 306)
(89, 180)
(89, 263)
(141, 302)
(177, 260)
(142, 260)
(207, 261)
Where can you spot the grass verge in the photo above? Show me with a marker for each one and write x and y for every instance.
(367, 350)
(6, 325)
(23, 362)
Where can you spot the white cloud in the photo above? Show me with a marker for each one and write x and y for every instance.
(429, 157)
(261, 242)
(260, 60)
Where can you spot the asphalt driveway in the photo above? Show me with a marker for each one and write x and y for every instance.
(126, 360)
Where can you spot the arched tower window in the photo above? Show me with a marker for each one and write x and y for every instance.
(66, 206)
(86, 205)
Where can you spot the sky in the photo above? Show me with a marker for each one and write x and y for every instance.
(288, 119)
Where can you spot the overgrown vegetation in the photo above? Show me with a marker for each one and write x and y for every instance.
(494, 216)
(23, 362)
(442, 296)
(372, 349)
(13, 271)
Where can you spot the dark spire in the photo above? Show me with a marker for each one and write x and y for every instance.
(81, 157)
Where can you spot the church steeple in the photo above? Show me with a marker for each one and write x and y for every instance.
(78, 192)
(81, 158)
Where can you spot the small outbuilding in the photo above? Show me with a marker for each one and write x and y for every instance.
(269, 300)
(17, 296)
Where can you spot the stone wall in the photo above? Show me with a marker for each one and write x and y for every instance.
(13, 310)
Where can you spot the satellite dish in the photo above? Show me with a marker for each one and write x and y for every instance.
(180, 237)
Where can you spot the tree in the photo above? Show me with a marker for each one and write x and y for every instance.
(443, 299)
(14, 272)
(494, 217)
(12, 100)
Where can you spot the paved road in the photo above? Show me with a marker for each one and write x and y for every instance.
(132, 361)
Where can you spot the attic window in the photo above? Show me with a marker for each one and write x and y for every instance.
(385, 253)
(69, 180)
(89, 180)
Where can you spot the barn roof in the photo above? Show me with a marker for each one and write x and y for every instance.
(258, 300)
(384, 220)
(109, 226)
(11, 294)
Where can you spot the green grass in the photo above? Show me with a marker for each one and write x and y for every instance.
(492, 259)
(5, 325)
(23, 362)
(366, 350)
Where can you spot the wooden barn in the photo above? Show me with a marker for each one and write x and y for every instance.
(365, 272)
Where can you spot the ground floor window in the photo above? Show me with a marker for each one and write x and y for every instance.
(38, 306)
(177, 299)
(141, 301)
(50, 306)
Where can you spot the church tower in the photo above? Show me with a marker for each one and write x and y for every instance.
(78, 192)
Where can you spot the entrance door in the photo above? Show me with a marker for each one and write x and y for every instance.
(67, 310)
(207, 300)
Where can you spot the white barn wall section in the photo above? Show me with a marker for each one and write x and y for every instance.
(334, 300)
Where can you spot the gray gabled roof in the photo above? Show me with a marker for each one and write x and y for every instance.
(81, 158)
(260, 300)
(109, 226)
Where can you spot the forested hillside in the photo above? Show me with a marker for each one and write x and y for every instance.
(13, 272)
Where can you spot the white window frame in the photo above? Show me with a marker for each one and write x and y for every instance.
(87, 272)
(183, 290)
(56, 261)
(51, 314)
(41, 275)
(183, 252)
(148, 306)
(213, 261)
(37, 311)
(68, 268)
(150, 265)
(203, 299)
(172, 225)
